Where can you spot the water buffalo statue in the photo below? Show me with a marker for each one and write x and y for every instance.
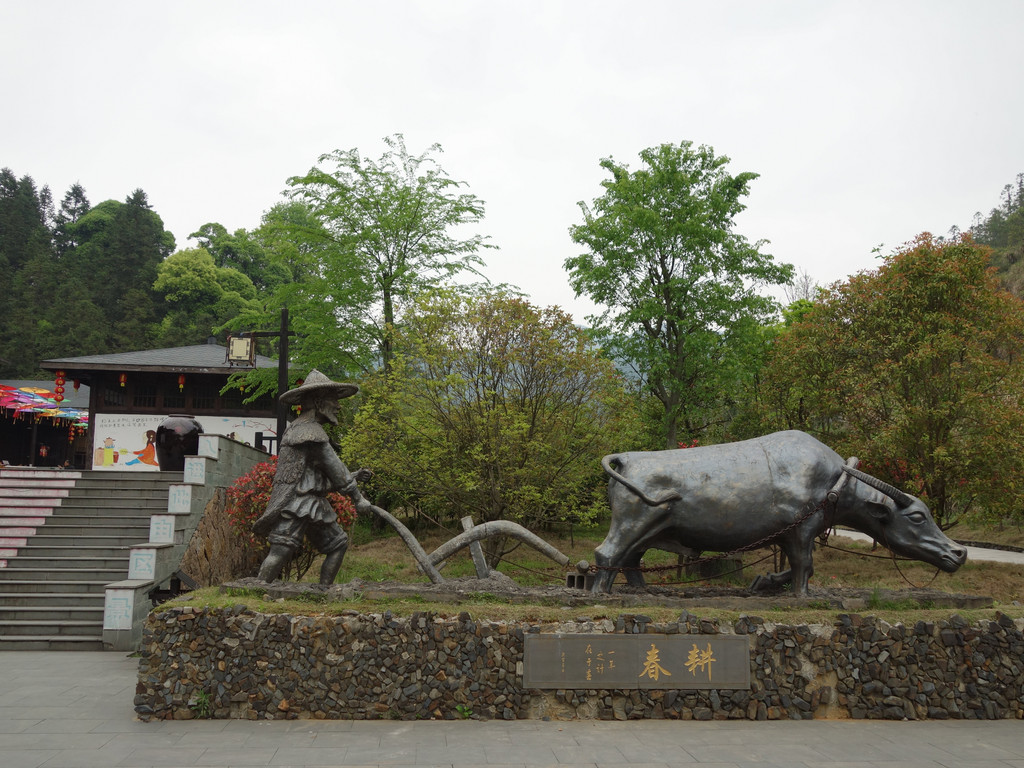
(719, 498)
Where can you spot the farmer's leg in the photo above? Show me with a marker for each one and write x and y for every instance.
(331, 540)
(285, 541)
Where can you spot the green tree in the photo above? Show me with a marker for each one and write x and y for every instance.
(28, 266)
(493, 408)
(199, 296)
(915, 368)
(379, 232)
(679, 284)
(72, 208)
(1003, 231)
(119, 248)
(243, 251)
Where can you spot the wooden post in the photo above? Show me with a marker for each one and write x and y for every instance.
(282, 378)
(482, 571)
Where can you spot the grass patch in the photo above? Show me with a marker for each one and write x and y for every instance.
(548, 612)
(1000, 532)
(386, 558)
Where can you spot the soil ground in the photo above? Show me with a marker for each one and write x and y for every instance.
(501, 588)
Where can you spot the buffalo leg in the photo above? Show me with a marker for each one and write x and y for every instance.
(801, 558)
(605, 574)
(608, 566)
(800, 555)
(634, 576)
(770, 582)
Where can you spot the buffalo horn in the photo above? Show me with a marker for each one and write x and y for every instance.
(894, 493)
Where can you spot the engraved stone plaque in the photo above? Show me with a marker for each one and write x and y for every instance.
(669, 662)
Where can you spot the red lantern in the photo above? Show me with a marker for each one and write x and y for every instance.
(181, 382)
(77, 384)
(59, 389)
(58, 398)
(122, 378)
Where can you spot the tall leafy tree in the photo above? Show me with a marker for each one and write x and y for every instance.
(917, 369)
(243, 251)
(493, 408)
(1003, 231)
(379, 231)
(23, 226)
(679, 284)
(115, 263)
(27, 264)
(199, 296)
(72, 208)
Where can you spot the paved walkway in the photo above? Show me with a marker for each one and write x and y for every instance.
(75, 709)
(973, 553)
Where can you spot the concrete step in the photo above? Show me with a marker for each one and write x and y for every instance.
(78, 562)
(72, 552)
(128, 474)
(116, 502)
(99, 520)
(51, 642)
(24, 517)
(30, 502)
(31, 586)
(38, 475)
(52, 614)
(59, 599)
(14, 483)
(118, 538)
(84, 489)
(16, 573)
(33, 491)
(61, 628)
(132, 528)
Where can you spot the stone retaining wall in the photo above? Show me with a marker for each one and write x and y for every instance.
(235, 663)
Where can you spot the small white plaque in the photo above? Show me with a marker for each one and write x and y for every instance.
(142, 564)
(208, 446)
(179, 499)
(195, 470)
(161, 529)
(117, 609)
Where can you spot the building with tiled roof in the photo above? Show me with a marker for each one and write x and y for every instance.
(130, 393)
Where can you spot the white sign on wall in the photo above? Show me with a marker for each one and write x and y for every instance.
(126, 441)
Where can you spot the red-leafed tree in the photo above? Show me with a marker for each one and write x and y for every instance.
(916, 368)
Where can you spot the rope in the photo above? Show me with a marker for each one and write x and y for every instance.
(727, 573)
(900, 570)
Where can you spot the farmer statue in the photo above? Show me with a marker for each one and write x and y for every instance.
(308, 468)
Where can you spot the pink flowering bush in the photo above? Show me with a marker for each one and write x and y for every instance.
(247, 500)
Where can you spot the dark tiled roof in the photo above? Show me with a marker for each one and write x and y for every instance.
(205, 356)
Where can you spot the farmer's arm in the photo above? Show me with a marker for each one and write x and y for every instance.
(341, 479)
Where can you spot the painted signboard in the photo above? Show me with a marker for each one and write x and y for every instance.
(126, 441)
(647, 661)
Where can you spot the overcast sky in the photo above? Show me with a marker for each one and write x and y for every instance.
(868, 122)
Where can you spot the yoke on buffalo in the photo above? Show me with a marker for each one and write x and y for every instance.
(721, 498)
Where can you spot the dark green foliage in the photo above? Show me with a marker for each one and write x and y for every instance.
(78, 280)
(678, 283)
(1003, 232)
(199, 296)
(27, 264)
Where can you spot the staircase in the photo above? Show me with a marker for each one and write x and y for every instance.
(65, 535)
